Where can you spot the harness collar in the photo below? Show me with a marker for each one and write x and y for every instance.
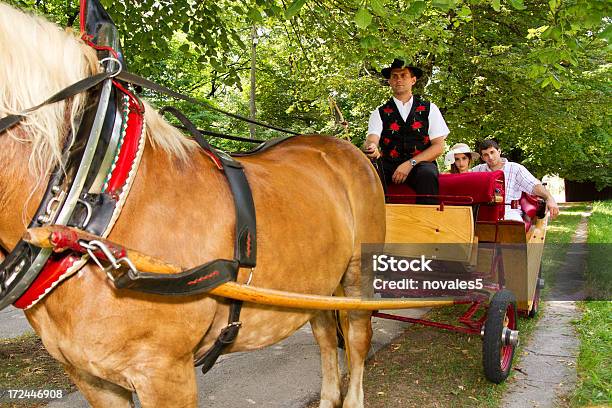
(89, 188)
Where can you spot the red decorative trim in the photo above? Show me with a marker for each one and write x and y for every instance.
(129, 150)
(203, 278)
(83, 7)
(248, 244)
(57, 269)
(86, 37)
(46, 280)
(134, 100)
(214, 158)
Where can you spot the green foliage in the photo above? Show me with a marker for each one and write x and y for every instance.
(534, 74)
(595, 357)
(595, 326)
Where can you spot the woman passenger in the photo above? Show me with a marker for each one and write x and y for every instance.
(460, 157)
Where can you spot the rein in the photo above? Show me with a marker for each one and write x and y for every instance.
(87, 83)
(76, 88)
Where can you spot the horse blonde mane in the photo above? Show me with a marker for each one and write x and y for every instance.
(38, 60)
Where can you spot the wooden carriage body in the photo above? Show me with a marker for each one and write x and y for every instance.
(467, 227)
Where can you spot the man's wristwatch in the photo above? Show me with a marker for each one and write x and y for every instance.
(413, 162)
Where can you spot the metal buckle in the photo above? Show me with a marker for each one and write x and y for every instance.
(115, 264)
(228, 334)
(53, 205)
(89, 209)
(112, 60)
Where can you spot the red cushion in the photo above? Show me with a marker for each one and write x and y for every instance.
(461, 189)
(533, 207)
(480, 186)
(400, 194)
(530, 204)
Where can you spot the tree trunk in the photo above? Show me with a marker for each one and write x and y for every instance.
(252, 97)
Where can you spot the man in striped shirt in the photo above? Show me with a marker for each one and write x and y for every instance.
(518, 180)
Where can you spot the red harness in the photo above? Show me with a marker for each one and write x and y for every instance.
(118, 183)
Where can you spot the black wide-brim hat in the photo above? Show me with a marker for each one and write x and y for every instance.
(398, 63)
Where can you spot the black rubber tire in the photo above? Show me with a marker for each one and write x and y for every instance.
(497, 359)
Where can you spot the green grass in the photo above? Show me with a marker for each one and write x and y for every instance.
(562, 229)
(594, 364)
(599, 269)
(25, 364)
(558, 238)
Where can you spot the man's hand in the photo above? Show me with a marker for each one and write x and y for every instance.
(401, 172)
(552, 207)
(551, 204)
(371, 150)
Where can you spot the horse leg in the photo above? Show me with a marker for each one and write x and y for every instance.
(98, 392)
(166, 383)
(324, 329)
(357, 341)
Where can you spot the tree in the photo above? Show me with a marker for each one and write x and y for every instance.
(534, 73)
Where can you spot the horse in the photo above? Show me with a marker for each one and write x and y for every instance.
(317, 199)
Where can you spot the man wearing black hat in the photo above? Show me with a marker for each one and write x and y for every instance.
(408, 133)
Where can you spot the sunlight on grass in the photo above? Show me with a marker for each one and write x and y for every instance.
(594, 364)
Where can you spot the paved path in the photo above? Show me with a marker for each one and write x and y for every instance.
(286, 375)
(13, 323)
(547, 371)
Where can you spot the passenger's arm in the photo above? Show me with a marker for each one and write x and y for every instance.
(551, 204)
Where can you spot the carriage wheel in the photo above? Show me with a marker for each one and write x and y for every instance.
(500, 336)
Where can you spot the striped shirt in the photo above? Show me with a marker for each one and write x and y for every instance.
(518, 179)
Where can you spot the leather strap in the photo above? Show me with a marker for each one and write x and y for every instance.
(226, 337)
(83, 85)
(200, 279)
(138, 80)
(245, 249)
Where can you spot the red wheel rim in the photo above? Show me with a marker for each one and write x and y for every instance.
(507, 351)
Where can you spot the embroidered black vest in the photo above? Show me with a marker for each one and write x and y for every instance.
(400, 141)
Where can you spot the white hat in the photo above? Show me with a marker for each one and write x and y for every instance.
(456, 149)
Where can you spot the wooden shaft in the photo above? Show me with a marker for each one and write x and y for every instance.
(43, 237)
(280, 298)
(50, 236)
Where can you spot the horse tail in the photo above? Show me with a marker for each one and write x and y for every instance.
(342, 327)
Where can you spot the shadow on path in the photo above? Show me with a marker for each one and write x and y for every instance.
(547, 371)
